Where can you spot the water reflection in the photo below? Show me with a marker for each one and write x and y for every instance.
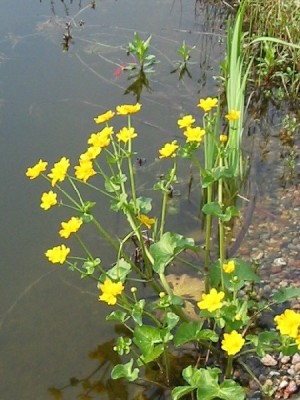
(47, 329)
(92, 4)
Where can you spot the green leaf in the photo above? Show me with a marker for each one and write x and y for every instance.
(181, 391)
(145, 337)
(285, 294)
(187, 332)
(212, 208)
(117, 316)
(152, 354)
(125, 371)
(111, 187)
(167, 248)
(208, 334)
(144, 204)
(119, 271)
(137, 311)
(118, 203)
(229, 390)
(171, 320)
(243, 271)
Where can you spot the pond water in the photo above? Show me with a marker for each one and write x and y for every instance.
(54, 339)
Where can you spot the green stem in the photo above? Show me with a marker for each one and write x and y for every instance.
(221, 225)
(207, 241)
(105, 234)
(130, 168)
(228, 367)
(165, 199)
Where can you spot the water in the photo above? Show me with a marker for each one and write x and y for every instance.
(51, 323)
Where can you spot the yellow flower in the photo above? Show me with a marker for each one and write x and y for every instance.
(186, 121)
(90, 154)
(36, 170)
(233, 115)
(126, 134)
(223, 138)
(146, 220)
(232, 342)
(101, 139)
(208, 103)
(71, 226)
(110, 291)
(211, 301)
(59, 171)
(104, 117)
(229, 267)
(84, 170)
(127, 109)
(168, 150)
(58, 254)
(194, 134)
(48, 200)
(288, 323)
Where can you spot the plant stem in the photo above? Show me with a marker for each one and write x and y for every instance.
(208, 221)
(221, 225)
(228, 367)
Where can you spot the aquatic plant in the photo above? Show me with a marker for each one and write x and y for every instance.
(221, 330)
(276, 63)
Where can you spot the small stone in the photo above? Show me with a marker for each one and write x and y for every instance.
(253, 385)
(269, 361)
(279, 262)
(283, 384)
(290, 389)
(258, 255)
(297, 367)
(291, 371)
(296, 358)
(285, 359)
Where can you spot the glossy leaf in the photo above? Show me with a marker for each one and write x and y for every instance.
(125, 371)
(167, 248)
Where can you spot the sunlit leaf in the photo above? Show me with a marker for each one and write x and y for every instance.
(181, 391)
(120, 270)
(167, 248)
(125, 371)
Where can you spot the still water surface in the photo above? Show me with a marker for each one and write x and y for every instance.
(51, 322)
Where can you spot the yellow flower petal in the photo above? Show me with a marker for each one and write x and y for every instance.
(288, 323)
(128, 109)
(110, 291)
(71, 226)
(146, 220)
(168, 150)
(59, 171)
(105, 117)
(208, 103)
(186, 121)
(126, 134)
(232, 342)
(36, 170)
(48, 200)
(58, 254)
(211, 301)
(233, 115)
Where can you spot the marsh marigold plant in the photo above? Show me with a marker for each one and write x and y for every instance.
(161, 320)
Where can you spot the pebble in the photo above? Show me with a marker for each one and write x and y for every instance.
(279, 262)
(269, 361)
